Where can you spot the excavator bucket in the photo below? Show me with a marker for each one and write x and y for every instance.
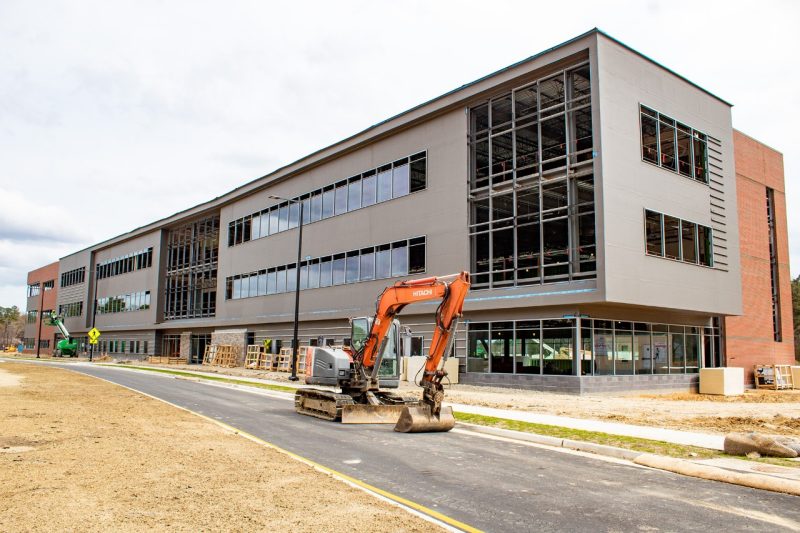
(419, 419)
(371, 414)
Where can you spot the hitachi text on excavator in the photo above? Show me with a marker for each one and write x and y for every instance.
(356, 370)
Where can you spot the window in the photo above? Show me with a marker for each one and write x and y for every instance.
(123, 303)
(73, 277)
(531, 184)
(191, 272)
(70, 310)
(673, 238)
(777, 335)
(673, 145)
(374, 262)
(340, 203)
(128, 263)
(653, 233)
(328, 197)
(384, 183)
(33, 289)
(689, 241)
(392, 180)
(354, 193)
(370, 190)
(32, 316)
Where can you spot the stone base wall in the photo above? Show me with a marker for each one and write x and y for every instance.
(234, 337)
(587, 384)
(186, 345)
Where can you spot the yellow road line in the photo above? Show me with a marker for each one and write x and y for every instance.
(335, 473)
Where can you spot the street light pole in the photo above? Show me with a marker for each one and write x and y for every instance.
(41, 317)
(295, 339)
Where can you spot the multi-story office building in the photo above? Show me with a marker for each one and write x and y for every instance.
(42, 297)
(591, 193)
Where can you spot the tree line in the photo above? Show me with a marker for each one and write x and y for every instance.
(12, 325)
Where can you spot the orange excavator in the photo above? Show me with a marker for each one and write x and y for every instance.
(356, 371)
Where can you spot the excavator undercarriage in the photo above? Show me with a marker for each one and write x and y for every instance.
(350, 409)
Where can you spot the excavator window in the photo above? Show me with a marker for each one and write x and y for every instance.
(359, 332)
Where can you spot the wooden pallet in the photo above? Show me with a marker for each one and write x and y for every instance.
(225, 355)
(257, 359)
(209, 353)
(774, 377)
(284, 360)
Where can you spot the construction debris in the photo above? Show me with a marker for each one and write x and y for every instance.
(764, 445)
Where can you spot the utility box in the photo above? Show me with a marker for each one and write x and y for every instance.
(727, 381)
(414, 365)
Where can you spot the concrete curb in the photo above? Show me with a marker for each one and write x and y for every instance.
(688, 468)
(556, 442)
(660, 462)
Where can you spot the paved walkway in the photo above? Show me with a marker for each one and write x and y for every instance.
(703, 440)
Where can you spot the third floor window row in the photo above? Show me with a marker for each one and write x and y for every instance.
(673, 145)
(125, 264)
(73, 277)
(392, 180)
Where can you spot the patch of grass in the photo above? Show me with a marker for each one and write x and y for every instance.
(268, 386)
(620, 441)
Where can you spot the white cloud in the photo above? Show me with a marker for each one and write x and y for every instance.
(115, 114)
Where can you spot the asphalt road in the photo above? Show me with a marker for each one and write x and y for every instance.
(490, 484)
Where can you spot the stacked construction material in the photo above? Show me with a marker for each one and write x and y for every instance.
(775, 377)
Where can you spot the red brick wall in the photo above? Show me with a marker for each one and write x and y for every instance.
(41, 275)
(749, 338)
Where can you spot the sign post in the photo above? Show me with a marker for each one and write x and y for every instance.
(94, 334)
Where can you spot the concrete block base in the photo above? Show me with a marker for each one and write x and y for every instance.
(722, 381)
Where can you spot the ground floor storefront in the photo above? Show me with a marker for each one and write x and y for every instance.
(555, 349)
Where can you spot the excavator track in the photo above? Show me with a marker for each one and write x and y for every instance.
(329, 405)
(319, 403)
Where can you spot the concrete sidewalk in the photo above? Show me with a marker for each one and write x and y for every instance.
(703, 440)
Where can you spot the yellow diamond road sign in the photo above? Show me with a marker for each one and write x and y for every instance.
(94, 333)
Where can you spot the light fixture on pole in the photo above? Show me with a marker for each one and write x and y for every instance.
(295, 340)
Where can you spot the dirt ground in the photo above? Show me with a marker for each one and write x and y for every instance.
(77, 453)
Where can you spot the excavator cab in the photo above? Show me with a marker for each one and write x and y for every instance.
(389, 366)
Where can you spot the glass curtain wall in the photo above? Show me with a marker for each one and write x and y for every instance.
(191, 270)
(532, 214)
(607, 347)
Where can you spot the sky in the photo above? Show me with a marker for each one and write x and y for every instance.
(114, 114)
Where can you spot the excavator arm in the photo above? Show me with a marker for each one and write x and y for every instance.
(451, 290)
